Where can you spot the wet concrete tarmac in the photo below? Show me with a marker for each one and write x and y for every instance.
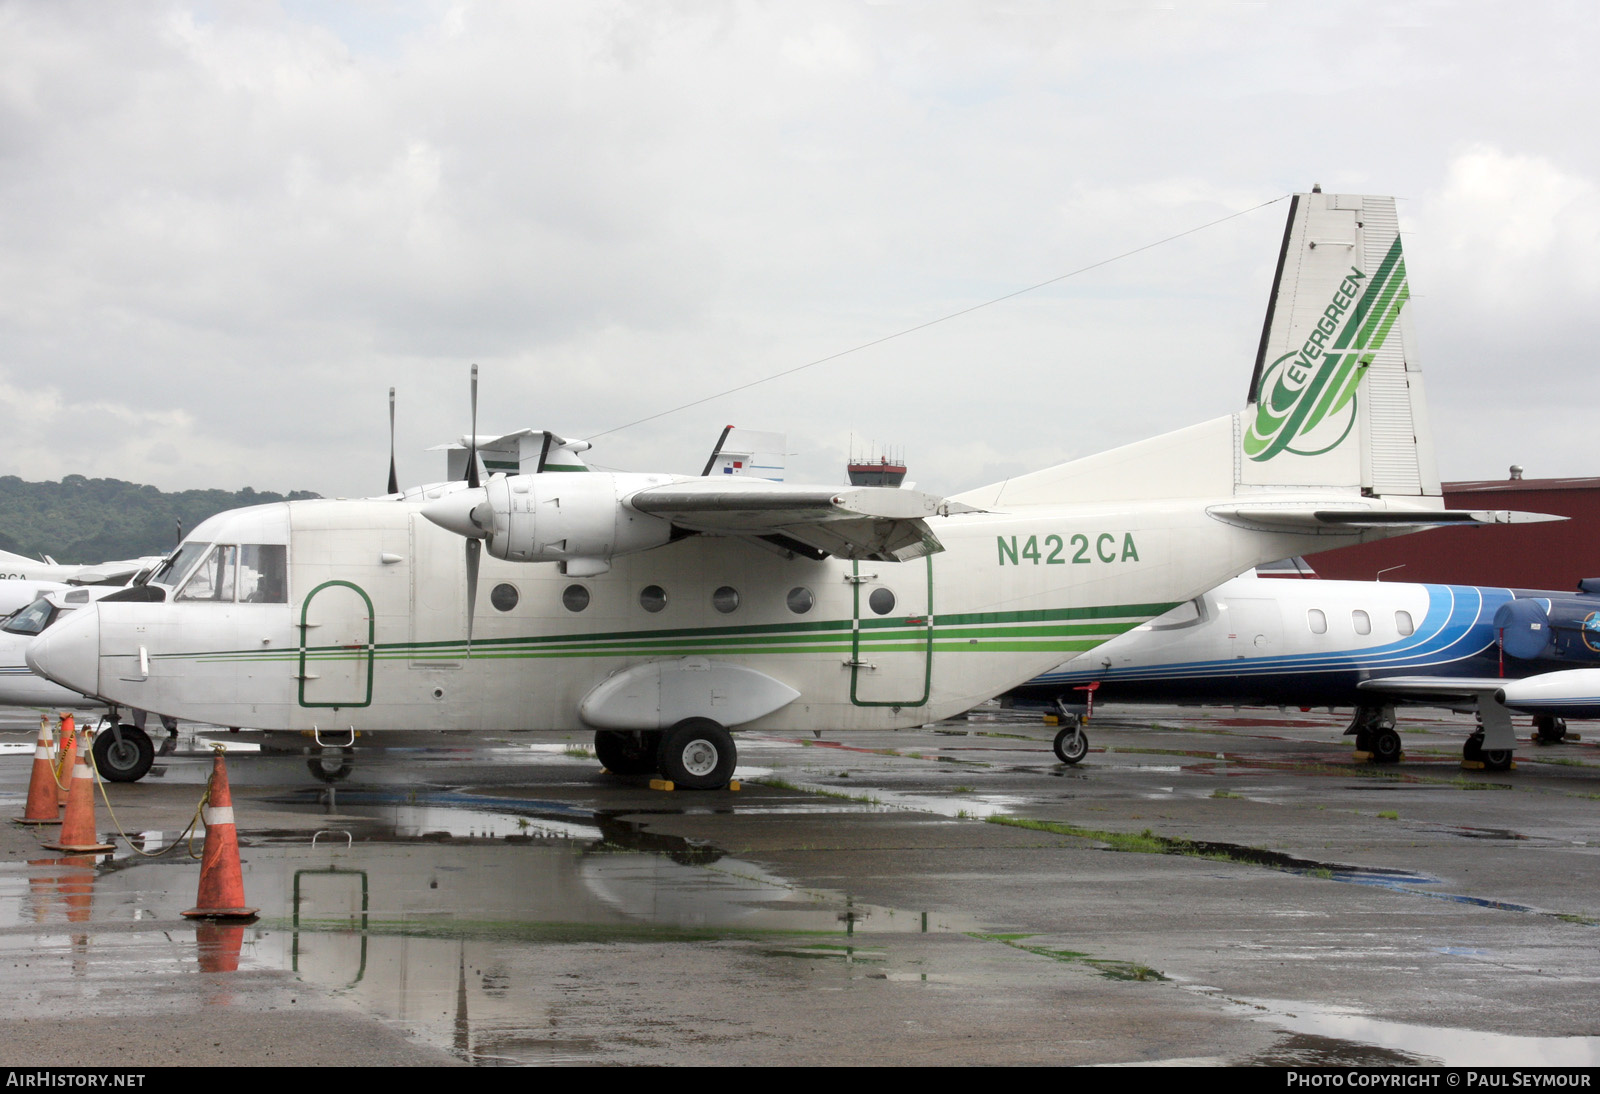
(1225, 886)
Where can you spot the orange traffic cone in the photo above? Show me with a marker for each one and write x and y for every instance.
(77, 824)
(64, 757)
(42, 807)
(221, 879)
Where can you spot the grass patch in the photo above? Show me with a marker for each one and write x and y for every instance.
(1388, 814)
(1221, 793)
(578, 752)
(1108, 968)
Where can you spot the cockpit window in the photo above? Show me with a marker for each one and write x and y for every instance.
(214, 578)
(263, 573)
(172, 570)
(32, 619)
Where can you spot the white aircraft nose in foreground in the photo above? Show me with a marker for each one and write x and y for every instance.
(661, 611)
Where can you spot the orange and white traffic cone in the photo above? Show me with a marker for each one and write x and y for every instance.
(42, 807)
(221, 878)
(77, 823)
(64, 759)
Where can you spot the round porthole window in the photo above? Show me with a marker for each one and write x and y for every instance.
(652, 598)
(800, 600)
(725, 599)
(881, 601)
(575, 598)
(504, 597)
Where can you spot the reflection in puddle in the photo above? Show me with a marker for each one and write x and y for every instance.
(1428, 1044)
(480, 931)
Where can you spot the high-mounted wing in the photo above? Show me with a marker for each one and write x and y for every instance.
(885, 524)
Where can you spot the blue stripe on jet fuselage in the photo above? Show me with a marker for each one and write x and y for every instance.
(1459, 625)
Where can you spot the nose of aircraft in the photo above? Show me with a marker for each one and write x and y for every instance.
(69, 652)
(464, 512)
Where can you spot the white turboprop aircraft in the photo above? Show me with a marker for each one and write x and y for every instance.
(660, 611)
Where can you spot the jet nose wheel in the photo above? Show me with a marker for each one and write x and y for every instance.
(124, 761)
(1071, 744)
(698, 754)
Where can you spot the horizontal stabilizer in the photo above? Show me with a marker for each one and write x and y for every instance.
(1309, 517)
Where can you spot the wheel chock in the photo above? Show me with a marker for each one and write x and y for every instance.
(1472, 765)
(733, 784)
(1051, 720)
(661, 784)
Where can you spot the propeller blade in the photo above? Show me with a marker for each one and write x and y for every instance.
(394, 479)
(474, 551)
(472, 444)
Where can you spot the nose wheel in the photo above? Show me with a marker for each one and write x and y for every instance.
(123, 753)
(1072, 743)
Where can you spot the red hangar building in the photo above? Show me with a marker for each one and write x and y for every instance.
(1547, 555)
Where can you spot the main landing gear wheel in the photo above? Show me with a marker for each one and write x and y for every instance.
(1384, 746)
(1551, 730)
(1492, 759)
(698, 754)
(123, 761)
(1071, 744)
(331, 765)
(628, 752)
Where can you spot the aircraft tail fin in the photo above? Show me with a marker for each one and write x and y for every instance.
(1335, 402)
(1336, 396)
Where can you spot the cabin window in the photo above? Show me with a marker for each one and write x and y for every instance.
(725, 599)
(1403, 624)
(1317, 621)
(574, 598)
(504, 597)
(800, 600)
(263, 573)
(214, 578)
(652, 598)
(881, 601)
(1362, 621)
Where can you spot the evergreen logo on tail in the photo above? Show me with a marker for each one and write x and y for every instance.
(1306, 403)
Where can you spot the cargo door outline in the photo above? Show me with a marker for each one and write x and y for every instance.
(344, 664)
(896, 664)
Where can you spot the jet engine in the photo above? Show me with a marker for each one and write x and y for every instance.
(1563, 628)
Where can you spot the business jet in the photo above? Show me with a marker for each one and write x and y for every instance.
(662, 611)
(1261, 640)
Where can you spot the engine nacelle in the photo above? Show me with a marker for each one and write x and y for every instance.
(1565, 628)
(577, 518)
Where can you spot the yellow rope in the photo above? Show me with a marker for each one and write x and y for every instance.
(194, 821)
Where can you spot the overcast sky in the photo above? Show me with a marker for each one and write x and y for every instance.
(226, 229)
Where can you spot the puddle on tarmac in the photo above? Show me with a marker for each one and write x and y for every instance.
(1337, 1031)
(442, 914)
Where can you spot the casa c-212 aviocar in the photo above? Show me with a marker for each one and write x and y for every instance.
(661, 611)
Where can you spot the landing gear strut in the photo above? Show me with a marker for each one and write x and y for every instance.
(1550, 730)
